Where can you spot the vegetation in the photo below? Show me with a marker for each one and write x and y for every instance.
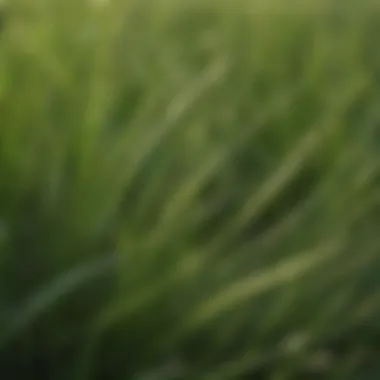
(189, 190)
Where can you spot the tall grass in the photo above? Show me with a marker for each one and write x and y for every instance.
(189, 190)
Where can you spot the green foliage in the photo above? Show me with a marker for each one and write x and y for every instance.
(189, 190)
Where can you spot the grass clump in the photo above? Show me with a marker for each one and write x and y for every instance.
(189, 190)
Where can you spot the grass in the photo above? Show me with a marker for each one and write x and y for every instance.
(189, 190)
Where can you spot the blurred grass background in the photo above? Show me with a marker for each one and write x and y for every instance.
(189, 190)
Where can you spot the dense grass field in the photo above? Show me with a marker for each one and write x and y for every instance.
(189, 190)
